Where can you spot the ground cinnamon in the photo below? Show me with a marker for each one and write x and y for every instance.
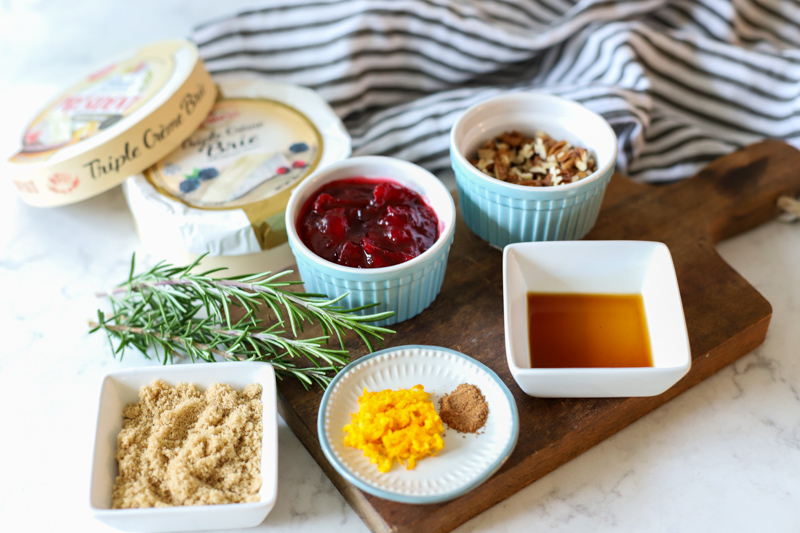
(465, 409)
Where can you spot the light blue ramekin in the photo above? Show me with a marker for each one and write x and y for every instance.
(503, 213)
(406, 289)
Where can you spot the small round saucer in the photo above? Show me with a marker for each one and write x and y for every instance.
(466, 461)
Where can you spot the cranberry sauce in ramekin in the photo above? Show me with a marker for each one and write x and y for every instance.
(367, 223)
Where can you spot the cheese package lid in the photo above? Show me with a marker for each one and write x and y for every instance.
(224, 190)
(115, 123)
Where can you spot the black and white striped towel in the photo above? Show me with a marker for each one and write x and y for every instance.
(682, 82)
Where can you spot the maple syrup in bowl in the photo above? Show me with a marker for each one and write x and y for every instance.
(593, 319)
(588, 331)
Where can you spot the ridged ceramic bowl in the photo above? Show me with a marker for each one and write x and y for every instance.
(406, 289)
(504, 213)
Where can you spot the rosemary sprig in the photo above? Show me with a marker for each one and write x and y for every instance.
(178, 313)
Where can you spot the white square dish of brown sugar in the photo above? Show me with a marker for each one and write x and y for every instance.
(186, 447)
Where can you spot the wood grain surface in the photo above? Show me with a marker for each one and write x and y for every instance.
(726, 318)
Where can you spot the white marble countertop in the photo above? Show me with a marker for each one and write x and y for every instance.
(724, 456)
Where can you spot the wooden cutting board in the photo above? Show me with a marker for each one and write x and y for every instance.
(726, 318)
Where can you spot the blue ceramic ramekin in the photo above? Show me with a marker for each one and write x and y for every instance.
(504, 213)
(406, 289)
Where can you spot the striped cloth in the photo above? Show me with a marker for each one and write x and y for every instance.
(682, 82)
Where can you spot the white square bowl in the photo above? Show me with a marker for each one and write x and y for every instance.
(596, 267)
(122, 387)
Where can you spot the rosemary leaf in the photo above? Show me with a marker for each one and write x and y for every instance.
(176, 313)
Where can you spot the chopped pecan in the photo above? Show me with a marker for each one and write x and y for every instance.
(538, 161)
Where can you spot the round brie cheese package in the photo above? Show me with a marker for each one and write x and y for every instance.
(224, 190)
(114, 123)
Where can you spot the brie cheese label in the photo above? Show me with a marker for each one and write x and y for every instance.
(92, 106)
(245, 152)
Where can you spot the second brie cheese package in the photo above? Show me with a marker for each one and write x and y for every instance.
(224, 190)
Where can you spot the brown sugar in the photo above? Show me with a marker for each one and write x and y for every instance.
(179, 446)
(465, 409)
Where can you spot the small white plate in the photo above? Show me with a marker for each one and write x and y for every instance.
(466, 461)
